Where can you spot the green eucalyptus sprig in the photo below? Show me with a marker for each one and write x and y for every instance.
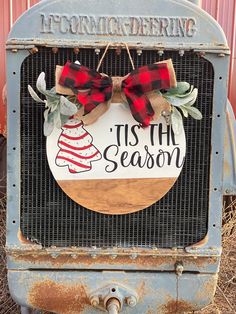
(58, 108)
(182, 99)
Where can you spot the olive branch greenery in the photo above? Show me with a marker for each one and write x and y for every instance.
(58, 109)
(182, 99)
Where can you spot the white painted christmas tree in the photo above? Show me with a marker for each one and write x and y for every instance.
(76, 149)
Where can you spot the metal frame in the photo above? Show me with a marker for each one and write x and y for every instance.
(202, 257)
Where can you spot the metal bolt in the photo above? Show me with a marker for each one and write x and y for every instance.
(94, 301)
(97, 51)
(54, 255)
(181, 53)
(113, 256)
(131, 301)
(134, 256)
(221, 55)
(76, 50)
(179, 268)
(14, 50)
(160, 52)
(55, 50)
(118, 51)
(93, 255)
(229, 191)
(202, 54)
(34, 50)
(139, 52)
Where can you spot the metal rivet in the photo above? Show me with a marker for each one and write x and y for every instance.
(139, 52)
(221, 55)
(74, 256)
(94, 301)
(76, 50)
(131, 301)
(118, 51)
(229, 191)
(93, 255)
(181, 53)
(14, 50)
(54, 255)
(97, 51)
(113, 256)
(55, 50)
(134, 256)
(202, 53)
(179, 268)
(34, 50)
(160, 52)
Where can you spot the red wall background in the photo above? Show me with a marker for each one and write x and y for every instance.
(223, 11)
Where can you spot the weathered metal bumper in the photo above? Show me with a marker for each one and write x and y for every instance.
(67, 292)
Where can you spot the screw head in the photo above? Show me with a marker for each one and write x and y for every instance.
(94, 301)
(55, 50)
(97, 51)
(139, 52)
(131, 301)
(76, 50)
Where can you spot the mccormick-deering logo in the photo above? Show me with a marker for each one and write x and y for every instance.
(153, 26)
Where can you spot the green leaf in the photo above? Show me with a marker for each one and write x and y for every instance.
(46, 112)
(195, 113)
(57, 118)
(185, 111)
(64, 119)
(67, 108)
(186, 94)
(181, 88)
(48, 125)
(34, 95)
(188, 100)
(41, 83)
(176, 121)
(53, 103)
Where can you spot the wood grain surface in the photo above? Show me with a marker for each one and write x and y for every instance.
(117, 196)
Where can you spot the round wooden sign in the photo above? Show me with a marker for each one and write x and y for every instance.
(114, 166)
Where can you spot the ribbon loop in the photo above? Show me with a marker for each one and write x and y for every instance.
(93, 88)
(143, 80)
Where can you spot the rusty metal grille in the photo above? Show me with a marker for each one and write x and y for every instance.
(51, 218)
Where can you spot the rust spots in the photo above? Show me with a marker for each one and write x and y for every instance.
(38, 258)
(59, 298)
(176, 307)
(86, 260)
(141, 290)
(201, 243)
(22, 239)
(207, 290)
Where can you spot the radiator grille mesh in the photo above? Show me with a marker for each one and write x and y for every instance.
(50, 218)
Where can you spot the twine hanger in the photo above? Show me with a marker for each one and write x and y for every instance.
(104, 54)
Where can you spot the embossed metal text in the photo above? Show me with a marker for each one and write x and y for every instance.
(119, 25)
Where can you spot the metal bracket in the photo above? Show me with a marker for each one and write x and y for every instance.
(103, 297)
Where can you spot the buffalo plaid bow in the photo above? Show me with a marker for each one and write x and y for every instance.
(135, 86)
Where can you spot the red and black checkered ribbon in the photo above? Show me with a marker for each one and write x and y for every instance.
(143, 80)
(97, 88)
(139, 82)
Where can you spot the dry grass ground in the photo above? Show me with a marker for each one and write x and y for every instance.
(225, 300)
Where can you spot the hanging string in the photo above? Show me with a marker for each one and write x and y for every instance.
(130, 58)
(104, 54)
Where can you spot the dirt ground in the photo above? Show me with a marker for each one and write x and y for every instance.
(225, 299)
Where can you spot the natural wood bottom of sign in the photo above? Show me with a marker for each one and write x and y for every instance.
(118, 196)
